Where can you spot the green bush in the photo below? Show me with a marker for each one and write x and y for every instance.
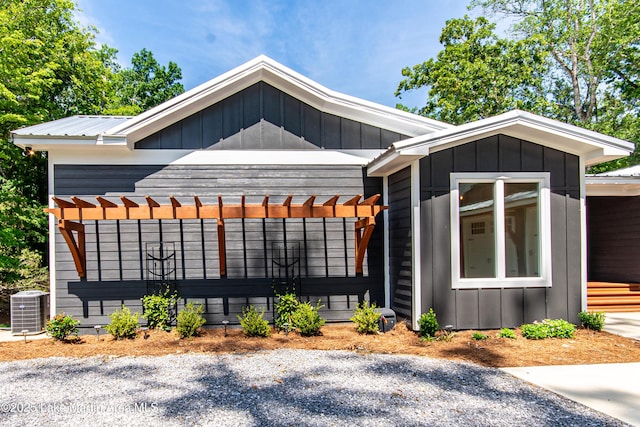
(253, 324)
(428, 324)
(158, 309)
(285, 307)
(593, 320)
(307, 320)
(366, 317)
(479, 336)
(123, 324)
(506, 333)
(189, 320)
(548, 328)
(61, 326)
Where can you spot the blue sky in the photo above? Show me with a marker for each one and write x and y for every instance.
(357, 47)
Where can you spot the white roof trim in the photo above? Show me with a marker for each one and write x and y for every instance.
(266, 69)
(592, 146)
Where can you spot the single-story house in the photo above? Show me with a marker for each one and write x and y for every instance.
(261, 180)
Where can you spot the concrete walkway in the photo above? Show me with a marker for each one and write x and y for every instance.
(613, 389)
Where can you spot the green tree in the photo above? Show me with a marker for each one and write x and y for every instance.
(478, 74)
(590, 42)
(144, 85)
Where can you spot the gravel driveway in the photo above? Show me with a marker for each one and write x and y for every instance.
(277, 388)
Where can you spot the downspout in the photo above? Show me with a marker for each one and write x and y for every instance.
(583, 235)
(385, 220)
(416, 253)
(53, 222)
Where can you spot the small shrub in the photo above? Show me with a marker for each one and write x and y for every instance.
(366, 317)
(158, 309)
(428, 324)
(123, 324)
(307, 320)
(593, 320)
(479, 336)
(285, 307)
(252, 322)
(61, 326)
(548, 328)
(189, 320)
(507, 333)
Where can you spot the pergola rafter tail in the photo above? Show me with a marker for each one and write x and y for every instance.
(79, 209)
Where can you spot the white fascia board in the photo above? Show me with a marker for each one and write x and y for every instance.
(206, 157)
(265, 69)
(592, 146)
(68, 142)
(392, 161)
(612, 186)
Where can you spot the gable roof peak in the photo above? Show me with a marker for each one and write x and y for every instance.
(265, 69)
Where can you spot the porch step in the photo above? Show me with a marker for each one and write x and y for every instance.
(613, 297)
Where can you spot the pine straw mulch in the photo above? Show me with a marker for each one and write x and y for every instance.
(586, 348)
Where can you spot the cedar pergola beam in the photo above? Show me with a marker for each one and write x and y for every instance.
(78, 209)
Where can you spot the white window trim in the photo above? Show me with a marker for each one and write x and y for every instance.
(544, 223)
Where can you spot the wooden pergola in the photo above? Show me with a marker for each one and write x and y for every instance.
(71, 213)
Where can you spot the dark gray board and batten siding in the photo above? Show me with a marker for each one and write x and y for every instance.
(400, 243)
(262, 116)
(505, 307)
(116, 272)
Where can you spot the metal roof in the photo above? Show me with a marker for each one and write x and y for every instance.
(630, 171)
(74, 126)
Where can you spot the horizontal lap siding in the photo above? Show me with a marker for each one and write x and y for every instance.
(400, 274)
(614, 228)
(509, 307)
(116, 250)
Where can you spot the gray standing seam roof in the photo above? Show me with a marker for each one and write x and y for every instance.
(74, 126)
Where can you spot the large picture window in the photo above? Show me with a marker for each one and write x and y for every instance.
(500, 230)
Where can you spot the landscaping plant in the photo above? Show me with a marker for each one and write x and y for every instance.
(123, 324)
(252, 322)
(61, 326)
(548, 328)
(507, 333)
(286, 305)
(189, 320)
(307, 320)
(158, 309)
(428, 324)
(479, 336)
(593, 320)
(366, 317)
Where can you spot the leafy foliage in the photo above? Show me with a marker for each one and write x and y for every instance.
(571, 60)
(286, 305)
(593, 320)
(158, 309)
(61, 326)
(307, 320)
(428, 324)
(123, 324)
(478, 74)
(548, 328)
(50, 68)
(190, 320)
(507, 333)
(479, 336)
(366, 317)
(253, 322)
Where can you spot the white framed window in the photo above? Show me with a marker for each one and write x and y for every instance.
(500, 230)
